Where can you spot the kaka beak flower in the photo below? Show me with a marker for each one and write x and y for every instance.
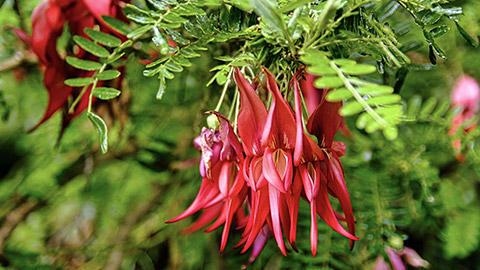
(324, 124)
(223, 191)
(251, 121)
(310, 161)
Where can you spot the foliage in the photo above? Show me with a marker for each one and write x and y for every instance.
(392, 63)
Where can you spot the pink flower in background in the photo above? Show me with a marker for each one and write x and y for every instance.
(410, 256)
(465, 95)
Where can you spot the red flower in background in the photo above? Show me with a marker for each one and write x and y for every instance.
(261, 180)
(48, 20)
(465, 95)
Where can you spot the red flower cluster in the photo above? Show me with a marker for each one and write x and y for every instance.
(48, 20)
(275, 164)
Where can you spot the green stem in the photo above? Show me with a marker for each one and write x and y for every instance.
(357, 96)
(229, 78)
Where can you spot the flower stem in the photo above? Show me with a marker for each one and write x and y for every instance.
(229, 78)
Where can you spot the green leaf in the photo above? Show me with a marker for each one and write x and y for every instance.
(466, 36)
(189, 53)
(431, 18)
(91, 47)
(108, 75)
(103, 38)
(106, 93)
(116, 24)
(362, 120)
(193, 30)
(137, 15)
(161, 88)
(160, 5)
(189, 10)
(375, 90)
(115, 58)
(321, 69)
(268, 9)
(173, 67)
(78, 82)
(158, 61)
(391, 133)
(358, 69)
(428, 107)
(351, 108)
(174, 18)
(439, 31)
(328, 82)
(344, 62)
(339, 95)
(176, 36)
(181, 60)
(441, 109)
(160, 41)
(101, 129)
(165, 73)
(139, 31)
(83, 64)
(384, 100)
(414, 106)
(224, 58)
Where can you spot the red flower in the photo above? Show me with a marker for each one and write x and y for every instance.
(276, 164)
(223, 188)
(48, 20)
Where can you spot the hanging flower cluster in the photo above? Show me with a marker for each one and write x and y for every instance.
(48, 20)
(260, 180)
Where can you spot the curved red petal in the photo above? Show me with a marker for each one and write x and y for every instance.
(279, 131)
(207, 192)
(252, 116)
(324, 122)
(274, 197)
(270, 171)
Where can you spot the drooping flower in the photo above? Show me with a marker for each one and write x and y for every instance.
(223, 188)
(410, 256)
(48, 20)
(465, 96)
(278, 163)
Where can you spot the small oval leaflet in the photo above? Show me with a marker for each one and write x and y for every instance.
(91, 47)
(105, 93)
(116, 24)
(351, 108)
(103, 38)
(173, 67)
(78, 82)
(339, 95)
(108, 75)
(101, 129)
(358, 69)
(83, 64)
(328, 82)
